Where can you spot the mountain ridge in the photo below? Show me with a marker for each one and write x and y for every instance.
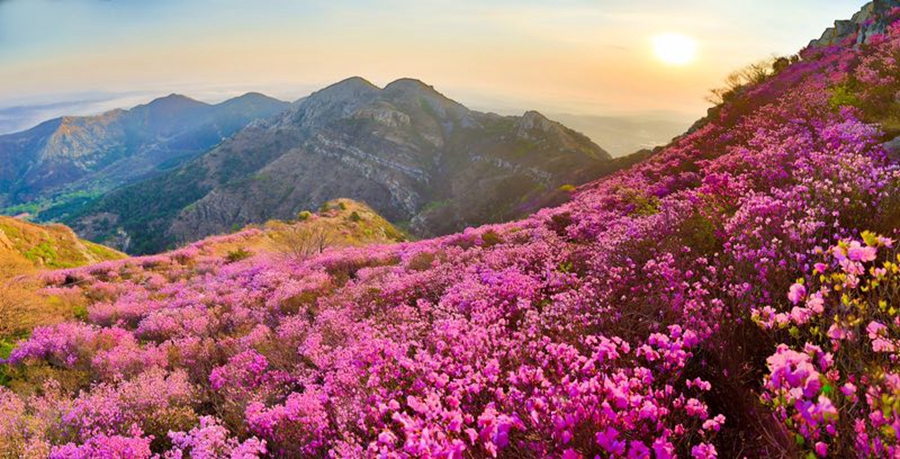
(97, 153)
(405, 149)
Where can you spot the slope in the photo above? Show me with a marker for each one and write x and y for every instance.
(26, 247)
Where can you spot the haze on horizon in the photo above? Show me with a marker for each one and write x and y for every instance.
(580, 57)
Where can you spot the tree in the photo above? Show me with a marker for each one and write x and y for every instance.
(301, 241)
(750, 75)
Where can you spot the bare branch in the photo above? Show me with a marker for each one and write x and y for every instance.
(301, 241)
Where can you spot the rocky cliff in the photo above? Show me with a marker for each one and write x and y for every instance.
(871, 20)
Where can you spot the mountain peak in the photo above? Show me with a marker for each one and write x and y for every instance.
(412, 86)
(176, 98)
(535, 120)
(354, 83)
(173, 102)
(252, 98)
(253, 95)
(350, 88)
(407, 84)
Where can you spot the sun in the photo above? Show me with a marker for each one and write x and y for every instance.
(674, 48)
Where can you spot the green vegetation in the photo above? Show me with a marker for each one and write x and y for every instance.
(644, 204)
(238, 255)
(102, 252)
(43, 254)
(47, 246)
(434, 206)
(523, 147)
(56, 207)
(843, 95)
(6, 347)
(491, 238)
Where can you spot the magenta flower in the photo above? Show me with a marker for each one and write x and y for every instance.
(797, 293)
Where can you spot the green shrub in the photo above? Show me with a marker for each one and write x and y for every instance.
(421, 261)
(841, 96)
(6, 348)
(490, 238)
(644, 204)
(238, 255)
(354, 217)
(304, 216)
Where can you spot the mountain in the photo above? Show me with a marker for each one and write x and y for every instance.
(56, 166)
(27, 247)
(408, 151)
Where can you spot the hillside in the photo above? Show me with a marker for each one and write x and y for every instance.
(414, 155)
(26, 251)
(733, 295)
(28, 247)
(56, 167)
(337, 223)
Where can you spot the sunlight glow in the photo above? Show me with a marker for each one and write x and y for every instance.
(675, 49)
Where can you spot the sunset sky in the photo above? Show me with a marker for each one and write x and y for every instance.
(567, 56)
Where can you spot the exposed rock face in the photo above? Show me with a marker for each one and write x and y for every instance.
(412, 154)
(92, 154)
(871, 20)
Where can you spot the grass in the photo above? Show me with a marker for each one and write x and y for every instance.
(47, 246)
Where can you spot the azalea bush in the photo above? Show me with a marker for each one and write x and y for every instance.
(722, 298)
(835, 382)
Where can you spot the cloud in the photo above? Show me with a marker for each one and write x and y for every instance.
(24, 116)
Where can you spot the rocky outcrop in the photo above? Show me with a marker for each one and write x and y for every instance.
(871, 20)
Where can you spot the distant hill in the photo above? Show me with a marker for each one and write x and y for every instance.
(60, 164)
(411, 153)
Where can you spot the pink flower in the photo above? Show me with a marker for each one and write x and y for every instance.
(858, 252)
(821, 449)
(704, 451)
(797, 293)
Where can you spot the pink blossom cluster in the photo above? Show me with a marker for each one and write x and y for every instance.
(838, 391)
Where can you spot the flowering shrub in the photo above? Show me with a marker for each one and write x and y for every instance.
(658, 313)
(844, 378)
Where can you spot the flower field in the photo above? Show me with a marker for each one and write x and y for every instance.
(737, 294)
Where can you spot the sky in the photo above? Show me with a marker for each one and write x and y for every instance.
(583, 57)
